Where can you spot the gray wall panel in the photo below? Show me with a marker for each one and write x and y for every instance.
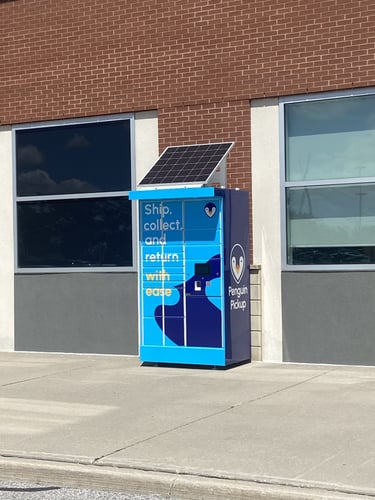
(329, 317)
(77, 312)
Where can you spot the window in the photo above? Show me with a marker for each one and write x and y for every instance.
(72, 183)
(329, 184)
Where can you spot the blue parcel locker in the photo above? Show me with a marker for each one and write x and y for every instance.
(194, 290)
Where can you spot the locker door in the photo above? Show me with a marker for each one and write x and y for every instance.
(203, 261)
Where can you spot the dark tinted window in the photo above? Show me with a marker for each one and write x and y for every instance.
(75, 233)
(82, 158)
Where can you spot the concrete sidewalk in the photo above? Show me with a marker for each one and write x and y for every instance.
(257, 431)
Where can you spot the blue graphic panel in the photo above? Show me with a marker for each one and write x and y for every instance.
(193, 288)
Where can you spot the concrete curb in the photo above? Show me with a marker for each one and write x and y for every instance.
(168, 485)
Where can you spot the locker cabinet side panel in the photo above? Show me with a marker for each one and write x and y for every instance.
(237, 276)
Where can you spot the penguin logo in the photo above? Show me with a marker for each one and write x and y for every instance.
(237, 262)
(210, 209)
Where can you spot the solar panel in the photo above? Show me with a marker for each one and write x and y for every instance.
(187, 164)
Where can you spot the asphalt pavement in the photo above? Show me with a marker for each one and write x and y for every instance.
(10, 490)
(256, 431)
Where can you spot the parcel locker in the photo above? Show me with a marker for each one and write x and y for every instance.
(194, 291)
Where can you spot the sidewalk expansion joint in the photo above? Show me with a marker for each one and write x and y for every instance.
(40, 377)
(287, 388)
(206, 417)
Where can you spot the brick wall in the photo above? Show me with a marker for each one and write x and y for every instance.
(212, 122)
(65, 58)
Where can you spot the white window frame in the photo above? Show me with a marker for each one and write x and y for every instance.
(109, 194)
(326, 182)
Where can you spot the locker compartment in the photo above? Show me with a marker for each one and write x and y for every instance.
(201, 253)
(151, 333)
(203, 214)
(174, 330)
(203, 322)
(200, 237)
(157, 294)
(152, 255)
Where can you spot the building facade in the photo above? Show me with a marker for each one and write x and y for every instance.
(92, 92)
